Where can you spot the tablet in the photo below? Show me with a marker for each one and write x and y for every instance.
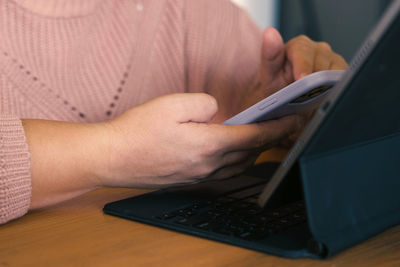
(300, 96)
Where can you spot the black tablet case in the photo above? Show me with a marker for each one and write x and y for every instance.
(352, 194)
(349, 170)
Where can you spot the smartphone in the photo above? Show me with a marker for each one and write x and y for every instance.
(300, 96)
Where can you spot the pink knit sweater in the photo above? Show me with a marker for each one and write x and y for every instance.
(90, 60)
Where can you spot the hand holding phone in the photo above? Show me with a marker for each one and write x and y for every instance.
(298, 97)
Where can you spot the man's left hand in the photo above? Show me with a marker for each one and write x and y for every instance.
(282, 64)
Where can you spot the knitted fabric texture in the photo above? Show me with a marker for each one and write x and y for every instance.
(90, 60)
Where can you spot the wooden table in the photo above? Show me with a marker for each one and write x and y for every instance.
(78, 233)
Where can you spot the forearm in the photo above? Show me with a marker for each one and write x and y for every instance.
(63, 159)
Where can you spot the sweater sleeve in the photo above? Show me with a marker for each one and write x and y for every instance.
(15, 180)
(223, 48)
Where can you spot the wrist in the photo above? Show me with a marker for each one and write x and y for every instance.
(98, 153)
(64, 157)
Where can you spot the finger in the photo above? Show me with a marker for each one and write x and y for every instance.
(324, 56)
(338, 63)
(222, 161)
(273, 54)
(196, 107)
(235, 157)
(232, 170)
(300, 52)
(258, 135)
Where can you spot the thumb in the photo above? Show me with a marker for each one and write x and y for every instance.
(272, 54)
(195, 107)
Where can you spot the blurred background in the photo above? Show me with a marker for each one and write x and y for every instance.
(344, 24)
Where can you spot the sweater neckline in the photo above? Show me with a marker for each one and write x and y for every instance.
(59, 8)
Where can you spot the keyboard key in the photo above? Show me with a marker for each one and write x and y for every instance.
(246, 220)
(211, 225)
(167, 216)
(196, 219)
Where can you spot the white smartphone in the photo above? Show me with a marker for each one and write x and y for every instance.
(300, 96)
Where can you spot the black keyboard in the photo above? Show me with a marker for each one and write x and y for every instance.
(235, 216)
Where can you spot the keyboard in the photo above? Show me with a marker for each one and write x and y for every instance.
(237, 215)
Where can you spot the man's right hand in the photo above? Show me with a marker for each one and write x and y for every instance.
(166, 141)
(170, 140)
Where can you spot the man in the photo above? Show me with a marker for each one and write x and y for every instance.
(130, 93)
